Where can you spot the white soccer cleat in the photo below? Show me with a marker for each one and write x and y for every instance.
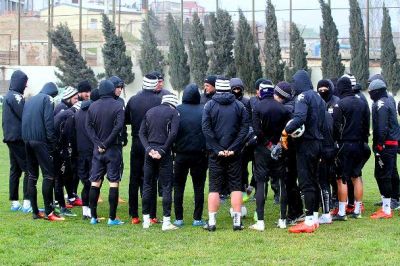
(168, 227)
(259, 226)
(325, 219)
(281, 223)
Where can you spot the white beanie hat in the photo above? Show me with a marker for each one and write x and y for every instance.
(352, 79)
(150, 82)
(222, 84)
(170, 99)
(69, 92)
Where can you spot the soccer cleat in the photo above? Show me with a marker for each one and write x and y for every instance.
(349, 209)
(67, 212)
(302, 228)
(114, 222)
(135, 220)
(54, 217)
(168, 227)
(146, 225)
(178, 223)
(210, 228)
(94, 220)
(334, 211)
(26, 209)
(380, 214)
(15, 206)
(39, 215)
(339, 218)
(238, 227)
(154, 221)
(198, 223)
(281, 223)
(356, 215)
(325, 219)
(257, 227)
(76, 202)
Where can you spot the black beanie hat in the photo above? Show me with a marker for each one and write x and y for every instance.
(158, 74)
(211, 80)
(283, 90)
(323, 83)
(94, 95)
(84, 86)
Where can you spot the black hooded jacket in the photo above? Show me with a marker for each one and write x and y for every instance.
(224, 123)
(190, 137)
(13, 106)
(83, 142)
(105, 118)
(309, 108)
(351, 115)
(38, 118)
(331, 100)
(137, 107)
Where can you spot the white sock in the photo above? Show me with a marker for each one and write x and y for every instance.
(386, 205)
(342, 208)
(212, 218)
(357, 207)
(236, 218)
(309, 220)
(166, 220)
(315, 215)
(146, 218)
(26, 204)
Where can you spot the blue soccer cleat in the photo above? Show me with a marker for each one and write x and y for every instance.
(114, 222)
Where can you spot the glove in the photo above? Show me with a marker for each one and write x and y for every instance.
(284, 140)
(276, 151)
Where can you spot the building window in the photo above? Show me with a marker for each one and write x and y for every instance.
(93, 24)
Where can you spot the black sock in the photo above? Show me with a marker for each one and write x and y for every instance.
(47, 191)
(32, 192)
(85, 193)
(113, 201)
(93, 197)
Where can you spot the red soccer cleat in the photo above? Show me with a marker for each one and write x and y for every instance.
(135, 220)
(349, 209)
(335, 211)
(380, 214)
(54, 218)
(77, 202)
(154, 221)
(302, 228)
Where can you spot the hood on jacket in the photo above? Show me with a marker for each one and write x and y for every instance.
(85, 104)
(18, 81)
(191, 94)
(301, 82)
(224, 98)
(106, 88)
(331, 88)
(344, 87)
(237, 83)
(117, 81)
(50, 89)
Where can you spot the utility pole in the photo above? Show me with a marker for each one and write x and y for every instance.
(217, 6)
(182, 19)
(290, 32)
(367, 42)
(119, 18)
(19, 32)
(113, 12)
(254, 19)
(80, 26)
(49, 44)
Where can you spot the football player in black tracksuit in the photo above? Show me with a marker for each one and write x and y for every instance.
(13, 106)
(283, 94)
(40, 141)
(190, 154)
(386, 133)
(135, 111)
(310, 112)
(225, 127)
(351, 130)
(269, 119)
(209, 89)
(326, 171)
(237, 89)
(104, 123)
(157, 133)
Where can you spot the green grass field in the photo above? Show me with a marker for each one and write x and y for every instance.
(24, 241)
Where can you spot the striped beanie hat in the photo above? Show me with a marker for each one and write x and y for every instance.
(222, 84)
(352, 79)
(69, 92)
(149, 82)
(77, 105)
(266, 89)
(283, 90)
(170, 99)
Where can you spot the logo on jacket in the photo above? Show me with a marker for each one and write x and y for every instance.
(18, 98)
(300, 97)
(380, 103)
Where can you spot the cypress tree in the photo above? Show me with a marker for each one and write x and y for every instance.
(389, 64)
(247, 62)
(359, 59)
(274, 66)
(177, 57)
(332, 66)
(222, 35)
(197, 51)
(116, 62)
(71, 64)
(150, 57)
(298, 54)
